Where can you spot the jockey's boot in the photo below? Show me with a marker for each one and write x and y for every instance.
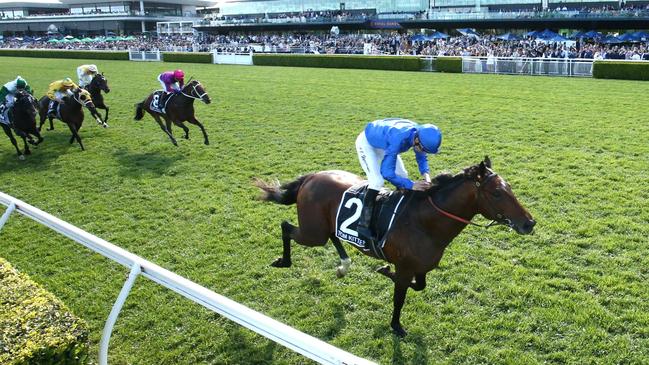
(51, 111)
(364, 224)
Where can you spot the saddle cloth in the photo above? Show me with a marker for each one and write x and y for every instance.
(156, 105)
(386, 208)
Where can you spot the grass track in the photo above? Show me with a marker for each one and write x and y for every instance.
(575, 151)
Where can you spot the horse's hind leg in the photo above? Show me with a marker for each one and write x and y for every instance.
(27, 150)
(9, 134)
(418, 284)
(345, 261)
(287, 232)
(195, 121)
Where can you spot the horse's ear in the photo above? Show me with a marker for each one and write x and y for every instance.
(487, 161)
(482, 170)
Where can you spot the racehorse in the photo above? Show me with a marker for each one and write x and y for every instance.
(179, 108)
(427, 224)
(23, 117)
(96, 86)
(70, 112)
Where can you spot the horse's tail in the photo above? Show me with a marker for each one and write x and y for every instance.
(139, 111)
(285, 194)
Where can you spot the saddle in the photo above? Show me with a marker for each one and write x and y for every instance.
(388, 205)
(160, 100)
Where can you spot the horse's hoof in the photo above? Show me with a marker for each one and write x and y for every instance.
(340, 272)
(207, 143)
(50, 129)
(399, 331)
(21, 157)
(281, 263)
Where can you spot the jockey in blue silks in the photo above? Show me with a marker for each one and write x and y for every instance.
(378, 148)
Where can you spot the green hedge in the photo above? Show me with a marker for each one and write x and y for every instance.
(58, 53)
(35, 327)
(400, 63)
(624, 70)
(448, 64)
(192, 57)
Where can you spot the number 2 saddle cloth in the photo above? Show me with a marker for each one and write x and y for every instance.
(388, 205)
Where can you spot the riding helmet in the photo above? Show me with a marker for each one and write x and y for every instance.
(21, 83)
(179, 74)
(430, 137)
(93, 68)
(67, 82)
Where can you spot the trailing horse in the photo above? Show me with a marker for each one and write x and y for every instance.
(23, 117)
(96, 86)
(69, 112)
(423, 229)
(178, 108)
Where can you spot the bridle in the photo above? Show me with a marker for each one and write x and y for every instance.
(75, 96)
(500, 219)
(194, 91)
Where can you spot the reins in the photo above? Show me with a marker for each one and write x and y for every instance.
(190, 95)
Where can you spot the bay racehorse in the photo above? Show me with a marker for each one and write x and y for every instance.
(427, 224)
(70, 112)
(23, 118)
(96, 86)
(179, 108)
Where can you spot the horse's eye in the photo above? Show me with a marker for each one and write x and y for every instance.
(496, 194)
(83, 97)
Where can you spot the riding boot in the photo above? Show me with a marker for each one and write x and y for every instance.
(364, 224)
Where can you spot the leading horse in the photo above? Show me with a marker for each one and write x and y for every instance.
(179, 108)
(420, 233)
(98, 84)
(70, 112)
(23, 117)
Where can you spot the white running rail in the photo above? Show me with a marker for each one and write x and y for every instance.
(293, 339)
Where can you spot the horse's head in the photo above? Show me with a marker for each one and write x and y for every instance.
(82, 96)
(100, 82)
(196, 90)
(496, 201)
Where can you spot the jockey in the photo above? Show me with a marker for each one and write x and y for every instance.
(86, 74)
(172, 82)
(8, 96)
(378, 148)
(57, 91)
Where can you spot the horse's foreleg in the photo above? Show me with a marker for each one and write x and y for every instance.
(193, 120)
(164, 129)
(287, 232)
(27, 150)
(184, 128)
(402, 281)
(75, 135)
(345, 261)
(9, 134)
(51, 123)
(418, 284)
(106, 116)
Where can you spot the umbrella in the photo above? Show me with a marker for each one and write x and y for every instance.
(557, 38)
(643, 36)
(68, 37)
(532, 34)
(628, 37)
(438, 35)
(418, 38)
(592, 35)
(469, 32)
(546, 34)
(73, 40)
(578, 34)
(129, 38)
(610, 39)
(53, 40)
(508, 37)
(87, 40)
(110, 39)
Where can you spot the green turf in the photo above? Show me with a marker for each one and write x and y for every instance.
(574, 150)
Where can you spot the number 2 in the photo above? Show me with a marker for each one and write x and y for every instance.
(345, 225)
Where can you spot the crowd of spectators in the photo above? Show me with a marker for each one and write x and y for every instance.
(378, 43)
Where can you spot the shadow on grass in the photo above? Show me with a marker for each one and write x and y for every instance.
(248, 352)
(42, 156)
(138, 164)
(420, 350)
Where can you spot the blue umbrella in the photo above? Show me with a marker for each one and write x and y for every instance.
(468, 31)
(532, 34)
(578, 34)
(557, 38)
(418, 38)
(592, 35)
(610, 39)
(547, 34)
(628, 37)
(438, 35)
(508, 37)
(643, 36)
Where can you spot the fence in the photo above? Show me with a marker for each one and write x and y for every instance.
(293, 339)
(229, 58)
(528, 66)
(144, 56)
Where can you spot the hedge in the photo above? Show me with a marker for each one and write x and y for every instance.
(35, 327)
(58, 53)
(192, 57)
(624, 70)
(448, 64)
(399, 63)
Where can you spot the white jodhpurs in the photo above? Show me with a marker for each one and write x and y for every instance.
(371, 158)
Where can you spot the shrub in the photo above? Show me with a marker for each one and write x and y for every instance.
(399, 63)
(624, 70)
(57, 53)
(448, 64)
(191, 57)
(35, 327)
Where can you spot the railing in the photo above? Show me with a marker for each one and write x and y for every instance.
(528, 66)
(232, 58)
(293, 339)
(144, 56)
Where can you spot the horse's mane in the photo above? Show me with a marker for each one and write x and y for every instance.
(445, 182)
